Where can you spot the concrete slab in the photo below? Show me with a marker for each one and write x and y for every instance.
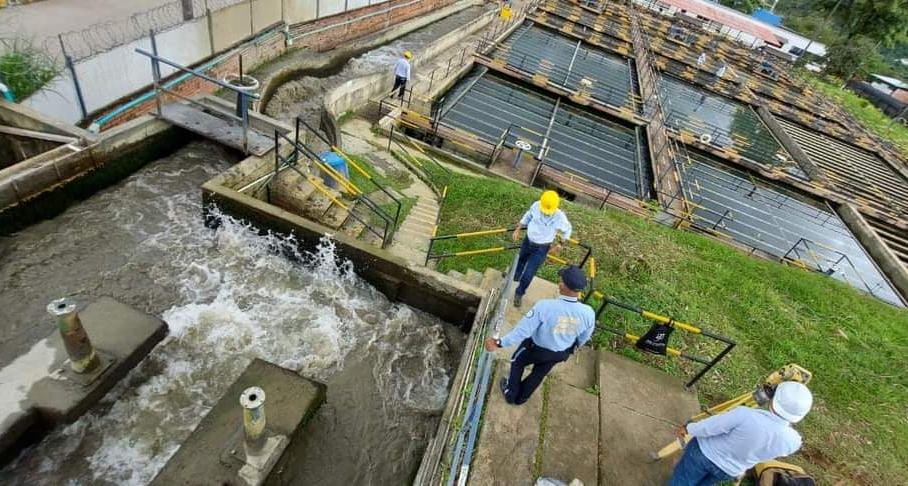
(571, 445)
(639, 408)
(204, 458)
(506, 450)
(221, 130)
(538, 289)
(39, 391)
(580, 370)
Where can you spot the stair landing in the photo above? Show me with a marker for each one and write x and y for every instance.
(571, 429)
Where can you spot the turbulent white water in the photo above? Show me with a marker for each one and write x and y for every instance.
(236, 297)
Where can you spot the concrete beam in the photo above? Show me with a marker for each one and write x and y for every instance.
(215, 452)
(800, 157)
(40, 390)
(888, 262)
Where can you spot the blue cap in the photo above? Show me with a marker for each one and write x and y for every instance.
(573, 277)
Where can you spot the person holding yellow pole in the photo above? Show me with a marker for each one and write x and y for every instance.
(725, 446)
(546, 227)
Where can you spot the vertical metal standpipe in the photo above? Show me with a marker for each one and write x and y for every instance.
(253, 402)
(82, 355)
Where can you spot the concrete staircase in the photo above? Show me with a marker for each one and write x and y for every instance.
(595, 418)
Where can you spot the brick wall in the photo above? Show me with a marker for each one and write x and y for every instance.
(273, 46)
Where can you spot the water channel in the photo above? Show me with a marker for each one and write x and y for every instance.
(228, 295)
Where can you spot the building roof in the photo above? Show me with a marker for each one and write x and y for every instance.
(728, 17)
(895, 83)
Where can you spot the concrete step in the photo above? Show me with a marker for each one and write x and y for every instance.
(421, 218)
(353, 228)
(335, 216)
(427, 212)
(411, 255)
(417, 229)
(456, 274)
(473, 277)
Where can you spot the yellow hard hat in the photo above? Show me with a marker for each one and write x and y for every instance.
(548, 202)
(408, 54)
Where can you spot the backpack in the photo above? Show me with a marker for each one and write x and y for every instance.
(775, 473)
(655, 340)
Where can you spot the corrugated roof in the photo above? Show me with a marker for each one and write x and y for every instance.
(895, 83)
(731, 18)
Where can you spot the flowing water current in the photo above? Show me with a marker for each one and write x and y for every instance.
(228, 295)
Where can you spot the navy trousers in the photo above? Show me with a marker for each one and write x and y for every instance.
(531, 257)
(520, 389)
(399, 82)
(695, 469)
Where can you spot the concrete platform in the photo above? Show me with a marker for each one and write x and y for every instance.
(212, 453)
(571, 444)
(227, 132)
(39, 391)
(640, 408)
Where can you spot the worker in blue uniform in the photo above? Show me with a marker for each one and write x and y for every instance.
(548, 334)
(546, 227)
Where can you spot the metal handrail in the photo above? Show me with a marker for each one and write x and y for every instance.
(708, 363)
(500, 248)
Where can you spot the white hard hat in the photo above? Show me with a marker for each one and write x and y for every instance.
(792, 401)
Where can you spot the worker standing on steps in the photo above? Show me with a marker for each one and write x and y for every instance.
(725, 446)
(544, 223)
(548, 334)
(402, 73)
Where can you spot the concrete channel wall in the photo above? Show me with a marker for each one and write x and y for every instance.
(45, 185)
(416, 286)
(355, 93)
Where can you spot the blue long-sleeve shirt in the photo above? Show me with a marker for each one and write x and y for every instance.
(402, 68)
(737, 440)
(541, 228)
(554, 324)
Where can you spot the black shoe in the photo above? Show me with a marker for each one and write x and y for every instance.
(503, 386)
(518, 299)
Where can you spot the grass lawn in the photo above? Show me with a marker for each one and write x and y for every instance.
(855, 345)
(869, 115)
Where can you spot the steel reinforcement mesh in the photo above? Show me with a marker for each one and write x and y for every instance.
(780, 222)
(580, 142)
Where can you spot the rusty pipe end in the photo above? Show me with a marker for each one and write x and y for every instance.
(253, 402)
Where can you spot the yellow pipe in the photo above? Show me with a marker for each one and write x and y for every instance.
(557, 260)
(477, 252)
(592, 268)
(337, 177)
(481, 233)
(351, 162)
(665, 320)
(324, 190)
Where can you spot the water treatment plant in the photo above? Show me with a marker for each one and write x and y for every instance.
(253, 237)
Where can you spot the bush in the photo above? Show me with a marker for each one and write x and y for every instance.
(25, 68)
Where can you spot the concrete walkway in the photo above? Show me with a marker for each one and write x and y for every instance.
(596, 418)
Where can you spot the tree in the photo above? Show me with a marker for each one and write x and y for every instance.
(883, 21)
(847, 58)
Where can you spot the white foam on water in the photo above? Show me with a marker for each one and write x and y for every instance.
(241, 298)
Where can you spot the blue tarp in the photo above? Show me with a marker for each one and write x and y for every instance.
(767, 17)
(337, 163)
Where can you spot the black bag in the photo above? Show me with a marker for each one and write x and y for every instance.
(655, 340)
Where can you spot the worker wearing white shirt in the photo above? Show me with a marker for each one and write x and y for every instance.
(402, 73)
(725, 446)
(544, 223)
